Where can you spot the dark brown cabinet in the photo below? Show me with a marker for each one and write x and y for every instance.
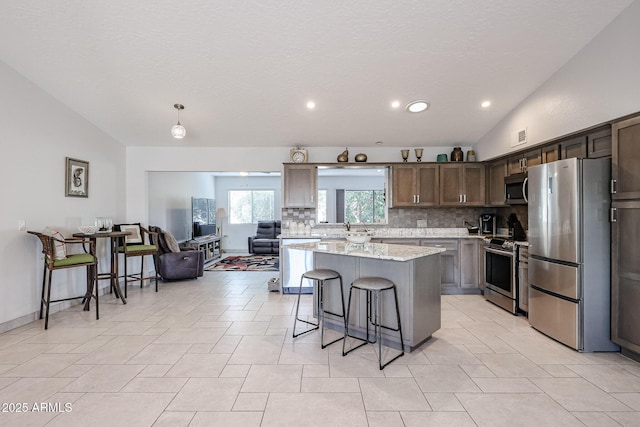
(573, 147)
(519, 163)
(462, 185)
(625, 162)
(599, 143)
(550, 153)
(415, 185)
(496, 172)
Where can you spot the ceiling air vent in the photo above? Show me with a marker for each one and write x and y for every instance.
(519, 137)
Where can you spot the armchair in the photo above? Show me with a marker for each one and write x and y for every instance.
(266, 239)
(186, 263)
(56, 258)
(140, 243)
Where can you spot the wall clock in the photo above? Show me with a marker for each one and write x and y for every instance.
(298, 155)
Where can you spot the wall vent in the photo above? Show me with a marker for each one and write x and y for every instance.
(519, 137)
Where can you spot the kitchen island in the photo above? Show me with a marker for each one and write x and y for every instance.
(414, 269)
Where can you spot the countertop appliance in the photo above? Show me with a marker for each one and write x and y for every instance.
(500, 284)
(487, 223)
(569, 244)
(516, 189)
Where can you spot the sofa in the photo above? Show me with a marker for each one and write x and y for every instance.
(173, 262)
(266, 241)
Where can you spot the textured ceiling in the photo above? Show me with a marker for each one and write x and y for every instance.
(245, 69)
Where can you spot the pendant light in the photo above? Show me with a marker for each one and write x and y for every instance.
(178, 131)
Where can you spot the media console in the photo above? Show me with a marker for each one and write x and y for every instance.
(210, 245)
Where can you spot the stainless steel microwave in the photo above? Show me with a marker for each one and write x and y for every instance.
(515, 189)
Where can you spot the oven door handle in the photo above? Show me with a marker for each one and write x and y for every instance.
(499, 252)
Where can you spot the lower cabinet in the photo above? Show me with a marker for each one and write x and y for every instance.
(461, 264)
(210, 245)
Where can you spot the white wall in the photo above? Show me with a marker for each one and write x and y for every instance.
(170, 196)
(598, 84)
(38, 133)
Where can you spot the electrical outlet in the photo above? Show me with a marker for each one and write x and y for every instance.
(422, 223)
(22, 225)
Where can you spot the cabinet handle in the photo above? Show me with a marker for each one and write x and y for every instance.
(524, 163)
(614, 183)
(613, 215)
(417, 198)
(464, 198)
(459, 198)
(414, 198)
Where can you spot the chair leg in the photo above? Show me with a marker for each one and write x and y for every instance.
(95, 281)
(46, 318)
(142, 270)
(346, 330)
(297, 318)
(126, 277)
(322, 312)
(44, 281)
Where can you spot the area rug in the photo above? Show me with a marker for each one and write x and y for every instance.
(247, 263)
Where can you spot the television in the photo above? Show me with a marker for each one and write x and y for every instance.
(203, 213)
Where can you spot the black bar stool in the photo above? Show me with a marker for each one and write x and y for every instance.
(321, 276)
(374, 286)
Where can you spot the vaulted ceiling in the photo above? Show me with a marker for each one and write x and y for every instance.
(245, 70)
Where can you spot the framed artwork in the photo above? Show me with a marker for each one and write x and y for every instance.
(77, 178)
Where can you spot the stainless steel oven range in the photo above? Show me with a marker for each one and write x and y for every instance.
(501, 285)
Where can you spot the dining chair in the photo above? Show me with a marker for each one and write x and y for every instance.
(54, 247)
(140, 243)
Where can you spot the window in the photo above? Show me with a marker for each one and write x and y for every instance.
(321, 212)
(364, 206)
(251, 206)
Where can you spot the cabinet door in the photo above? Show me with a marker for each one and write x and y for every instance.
(550, 153)
(625, 276)
(428, 190)
(451, 184)
(532, 158)
(300, 186)
(515, 165)
(469, 261)
(599, 144)
(497, 172)
(473, 191)
(403, 191)
(625, 159)
(449, 263)
(574, 147)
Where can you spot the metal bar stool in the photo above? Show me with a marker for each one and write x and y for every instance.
(374, 286)
(321, 276)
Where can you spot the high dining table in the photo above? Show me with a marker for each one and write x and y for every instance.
(112, 275)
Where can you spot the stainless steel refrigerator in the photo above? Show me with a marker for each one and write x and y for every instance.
(569, 252)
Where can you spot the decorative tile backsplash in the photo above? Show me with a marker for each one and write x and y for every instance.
(426, 217)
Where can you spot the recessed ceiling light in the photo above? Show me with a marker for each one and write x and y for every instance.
(311, 105)
(378, 142)
(485, 104)
(417, 106)
(395, 104)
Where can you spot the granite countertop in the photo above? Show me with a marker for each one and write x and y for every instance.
(386, 233)
(370, 250)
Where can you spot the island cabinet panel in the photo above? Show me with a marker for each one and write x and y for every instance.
(496, 172)
(418, 291)
(415, 185)
(300, 186)
(462, 185)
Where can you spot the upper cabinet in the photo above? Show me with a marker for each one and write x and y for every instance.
(462, 184)
(300, 186)
(599, 143)
(625, 161)
(520, 162)
(496, 172)
(415, 185)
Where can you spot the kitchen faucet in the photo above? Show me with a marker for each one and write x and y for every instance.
(348, 225)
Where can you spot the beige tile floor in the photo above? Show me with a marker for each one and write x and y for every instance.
(218, 352)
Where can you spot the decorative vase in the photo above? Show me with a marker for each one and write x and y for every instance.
(457, 155)
(344, 156)
(471, 156)
(361, 157)
(405, 155)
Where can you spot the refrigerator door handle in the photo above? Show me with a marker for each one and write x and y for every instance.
(524, 190)
(613, 215)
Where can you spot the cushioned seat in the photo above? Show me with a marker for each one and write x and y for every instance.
(266, 241)
(174, 262)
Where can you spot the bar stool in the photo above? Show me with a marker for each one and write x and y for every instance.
(374, 286)
(320, 276)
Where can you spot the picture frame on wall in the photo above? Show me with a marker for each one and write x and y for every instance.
(77, 178)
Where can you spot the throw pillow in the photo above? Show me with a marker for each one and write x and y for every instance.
(135, 238)
(59, 248)
(171, 242)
